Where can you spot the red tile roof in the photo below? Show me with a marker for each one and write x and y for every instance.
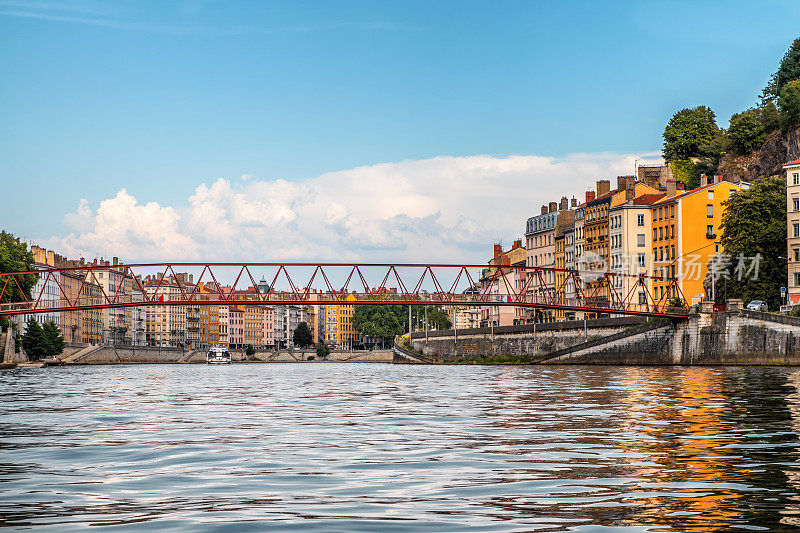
(648, 199)
(793, 162)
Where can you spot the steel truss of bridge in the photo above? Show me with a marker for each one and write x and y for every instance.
(158, 284)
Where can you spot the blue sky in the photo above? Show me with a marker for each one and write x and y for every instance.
(157, 98)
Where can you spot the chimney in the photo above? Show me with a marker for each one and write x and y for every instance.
(630, 194)
(115, 261)
(544, 209)
(498, 250)
(681, 185)
(718, 178)
(564, 204)
(517, 244)
(603, 187)
(574, 202)
(671, 187)
(622, 182)
(589, 196)
(553, 207)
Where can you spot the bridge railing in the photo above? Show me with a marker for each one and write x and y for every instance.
(352, 298)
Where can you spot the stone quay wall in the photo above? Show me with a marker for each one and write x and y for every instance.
(107, 354)
(533, 340)
(739, 337)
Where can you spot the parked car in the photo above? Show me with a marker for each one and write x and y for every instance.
(757, 305)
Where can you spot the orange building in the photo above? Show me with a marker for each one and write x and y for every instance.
(685, 238)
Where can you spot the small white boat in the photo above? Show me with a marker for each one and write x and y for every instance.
(218, 356)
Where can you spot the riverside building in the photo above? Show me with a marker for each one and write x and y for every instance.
(629, 237)
(792, 169)
(685, 238)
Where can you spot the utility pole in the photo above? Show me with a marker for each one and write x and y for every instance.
(426, 325)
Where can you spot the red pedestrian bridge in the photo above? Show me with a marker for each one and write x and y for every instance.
(100, 286)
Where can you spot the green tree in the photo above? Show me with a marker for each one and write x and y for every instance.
(380, 321)
(754, 222)
(302, 335)
(249, 351)
(322, 350)
(688, 131)
(684, 170)
(789, 104)
(437, 317)
(788, 71)
(33, 340)
(53, 341)
(747, 131)
(15, 257)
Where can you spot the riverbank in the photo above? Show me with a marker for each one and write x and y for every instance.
(732, 337)
(109, 354)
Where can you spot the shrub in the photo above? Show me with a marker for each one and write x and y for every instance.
(322, 350)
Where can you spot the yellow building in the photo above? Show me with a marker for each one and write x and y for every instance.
(560, 275)
(209, 317)
(91, 318)
(254, 326)
(685, 237)
(339, 330)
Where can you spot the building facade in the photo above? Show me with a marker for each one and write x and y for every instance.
(630, 240)
(685, 237)
(792, 169)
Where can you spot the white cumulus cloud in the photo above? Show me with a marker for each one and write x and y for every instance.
(443, 209)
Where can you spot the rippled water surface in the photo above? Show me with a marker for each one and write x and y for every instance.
(377, 447)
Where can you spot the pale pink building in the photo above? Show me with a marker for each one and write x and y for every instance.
(269, 327)
(236, 327)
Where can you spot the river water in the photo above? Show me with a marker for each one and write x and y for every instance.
(379, 447)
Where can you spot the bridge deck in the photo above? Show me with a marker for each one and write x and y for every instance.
(496, 286)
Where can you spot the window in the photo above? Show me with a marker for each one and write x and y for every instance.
(796, 278)
(709, 211)
(796, 179)
(660, 213)
(640, 240)
(640, 220)
(796, 204)
(655, 215)
(672, 211)
(642, 298)
(797, 254)
(672, 231)
(796, 228)
(661, 234)
(672, 250)
(640, 259)
(711, 194)
(710, 231)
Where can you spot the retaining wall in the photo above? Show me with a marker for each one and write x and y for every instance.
(737, 338)
(531, 340)
(148, 354)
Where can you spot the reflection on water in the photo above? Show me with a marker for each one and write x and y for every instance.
(381, 447)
